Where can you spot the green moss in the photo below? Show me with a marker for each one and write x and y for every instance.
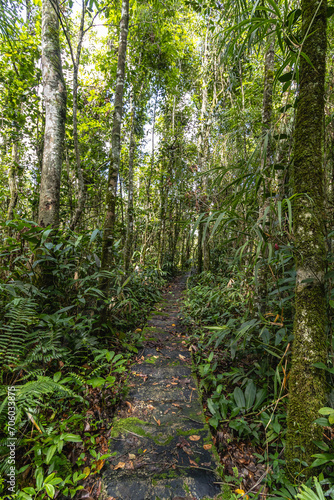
(190, 432)
(151, 360)
(151, 330)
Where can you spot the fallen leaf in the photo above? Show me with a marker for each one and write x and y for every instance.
(86, 471)
(182, 357)
(207, 446)
(132, 456)
(99, 464)
(193, 463)
(194, 437)
(157, 421)
(241, 492)
(120, 465)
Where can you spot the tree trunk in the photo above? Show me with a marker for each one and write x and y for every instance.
(263, 199)
(12, 181)
(130, 212)
(81, 181)
(307, 383)
(55, 115)
(203, 250)
(109, 224)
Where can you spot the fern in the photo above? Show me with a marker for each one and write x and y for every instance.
(20, 315)
(29, 396)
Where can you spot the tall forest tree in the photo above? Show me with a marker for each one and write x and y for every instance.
(307, 383)
(109, 224)
(55, 115)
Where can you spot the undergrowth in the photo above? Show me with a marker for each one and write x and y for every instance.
(64, 369)
(242, 358)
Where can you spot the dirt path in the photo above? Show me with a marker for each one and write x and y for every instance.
(163, 447)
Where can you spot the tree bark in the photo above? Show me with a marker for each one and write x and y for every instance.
(130, 211)
(81, 182)
(109, 224)
(307, 383)
(55, 115)
(13, 181)
(203, 249)
(263, 199)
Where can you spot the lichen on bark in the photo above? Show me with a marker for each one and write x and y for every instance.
(307, 384)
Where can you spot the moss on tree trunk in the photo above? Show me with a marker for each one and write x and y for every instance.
(307, 384)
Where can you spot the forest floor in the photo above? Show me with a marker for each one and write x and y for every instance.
(161, 444)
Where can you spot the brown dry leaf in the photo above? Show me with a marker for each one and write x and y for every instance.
(120, 465)
(207, 446)
(132, 456)
(182, 357)
(194, 437)
(99, 464)
(157, 421)
(193, 463)
(130, 410)
(174, 383)
(175, 404)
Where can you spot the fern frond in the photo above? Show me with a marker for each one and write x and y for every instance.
(21, 313)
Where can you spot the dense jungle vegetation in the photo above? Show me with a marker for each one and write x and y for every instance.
(148, 138)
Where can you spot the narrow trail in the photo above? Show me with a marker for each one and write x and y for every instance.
(163, 447)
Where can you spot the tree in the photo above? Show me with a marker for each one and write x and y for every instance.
(307, 383)
(55, 114)
(108, 232)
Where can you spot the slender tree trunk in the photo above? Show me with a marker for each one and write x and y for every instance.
(307, 383)
(55, 116)
(152, 154)
(109, 224)
(130, 212)
(13, 181)
(264, 200)
(203, 254)
(81, 182)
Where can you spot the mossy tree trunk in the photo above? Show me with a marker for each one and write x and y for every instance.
(109, 224)
(55, 114)
(307, 383)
